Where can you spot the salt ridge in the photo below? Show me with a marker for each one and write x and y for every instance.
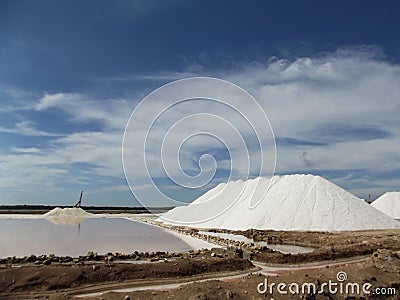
(293, 202)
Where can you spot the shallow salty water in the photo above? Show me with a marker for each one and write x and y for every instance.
(277, 247)
(20, 237)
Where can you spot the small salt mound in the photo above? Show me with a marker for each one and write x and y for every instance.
(69, 212)
(389, 204)
(290, 202)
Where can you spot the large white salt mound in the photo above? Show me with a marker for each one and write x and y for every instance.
(292, 202)
(389, 203)
(69, 212)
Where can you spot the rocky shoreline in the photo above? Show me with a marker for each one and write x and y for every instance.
(137, 257)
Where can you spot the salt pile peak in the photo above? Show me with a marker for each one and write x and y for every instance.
(389, 203)
(289, 202)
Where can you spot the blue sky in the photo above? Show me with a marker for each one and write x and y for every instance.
(71, 73)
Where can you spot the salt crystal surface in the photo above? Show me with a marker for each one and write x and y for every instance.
(389, 204)
(292, 202)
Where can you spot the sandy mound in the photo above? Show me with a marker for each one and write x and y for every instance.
(389, 204)
(293, 202)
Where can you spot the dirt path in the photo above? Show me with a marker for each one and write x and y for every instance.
(166, 284)
(275, 270)
(262, 268)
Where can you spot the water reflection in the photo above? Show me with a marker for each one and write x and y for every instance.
(20, 237)
(66, 221)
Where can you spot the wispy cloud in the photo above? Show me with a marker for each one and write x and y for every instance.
(59, 100)
(27, 128)
(26, 150)
(111, 113)
(15, 99)
(161, 76)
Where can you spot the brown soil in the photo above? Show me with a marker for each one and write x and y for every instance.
(318, 239)
(380, 270)
(57, 277)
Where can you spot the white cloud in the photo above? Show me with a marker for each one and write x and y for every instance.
(111, 113)
(26, 150)
(27, 128)
(100, 149)
(164, 76)
(59, 100)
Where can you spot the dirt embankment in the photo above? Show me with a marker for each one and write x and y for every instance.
(327, 245)
(57, 277)
(381, 270)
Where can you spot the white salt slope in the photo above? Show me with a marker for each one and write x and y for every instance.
(293, 202)
(389, 204)
(69, 212)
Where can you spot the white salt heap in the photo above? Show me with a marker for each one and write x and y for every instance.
(69, 215)
(69, 212)
(389, 204)
(293, 202)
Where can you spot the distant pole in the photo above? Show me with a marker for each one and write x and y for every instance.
(369, 198)
(80, 200)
